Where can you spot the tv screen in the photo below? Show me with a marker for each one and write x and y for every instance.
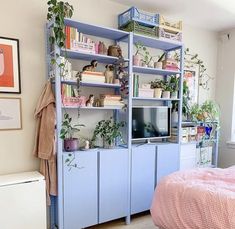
(150, 122)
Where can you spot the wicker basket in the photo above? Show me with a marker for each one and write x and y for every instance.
(74, 101)
(136, 27)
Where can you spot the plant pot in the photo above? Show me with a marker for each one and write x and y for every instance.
(174, 95)
(158, 93)
(166, 94)
(106, 145)
(143, 64)
(137, 60)
(71, 144)
(158, 65)
(151, 64)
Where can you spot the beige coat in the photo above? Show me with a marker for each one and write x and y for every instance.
(45, 138)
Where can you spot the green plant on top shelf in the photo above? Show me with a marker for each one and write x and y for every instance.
(167, 86)
(174, 83)
(211, 111)
(108, 130)
(139, 47)
(196, 113)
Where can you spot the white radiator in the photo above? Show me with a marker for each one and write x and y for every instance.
(22, 201)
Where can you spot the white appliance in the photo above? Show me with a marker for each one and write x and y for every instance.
(22, 201)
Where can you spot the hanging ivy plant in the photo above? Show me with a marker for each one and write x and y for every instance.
(57, 12)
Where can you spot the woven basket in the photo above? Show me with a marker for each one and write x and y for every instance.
(135, 27)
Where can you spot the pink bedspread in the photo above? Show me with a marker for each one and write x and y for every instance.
(196, 199)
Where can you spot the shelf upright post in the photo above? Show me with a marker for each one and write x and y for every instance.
(180, 103)
(58, 139)
(129, 122)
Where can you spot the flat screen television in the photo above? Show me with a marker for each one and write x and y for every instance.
(151, 122)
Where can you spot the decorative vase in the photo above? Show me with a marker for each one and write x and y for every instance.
(174, 118)
(166, 94)
(151, 64)
(158, 65)
(174, 95)
(158, 93)
(143, 64)
(106, 145)
(71, 144)
(136, 60)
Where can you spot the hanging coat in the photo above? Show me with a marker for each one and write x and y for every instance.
(44, 147)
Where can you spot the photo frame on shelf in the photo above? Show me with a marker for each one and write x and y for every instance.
(191, 76)
(10, 113)
(9, 66)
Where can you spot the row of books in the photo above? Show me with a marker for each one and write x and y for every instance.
(68, 91)
(72, 35)
(92, 77)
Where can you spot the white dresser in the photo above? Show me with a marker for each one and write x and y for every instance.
(22, 201)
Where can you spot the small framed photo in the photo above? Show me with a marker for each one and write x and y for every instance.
(10, 113)
(9, 66)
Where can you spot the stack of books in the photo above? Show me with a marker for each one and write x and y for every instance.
(107, 100)
(92, 77)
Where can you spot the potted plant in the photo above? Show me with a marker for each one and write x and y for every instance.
(166, 94)
(108, 130)
(147, 59)
(185, 103)
(137, 57)
(158, 63)
(157, 85)
(174, 83)
(67, 132)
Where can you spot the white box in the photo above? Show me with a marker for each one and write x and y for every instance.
(146, 93)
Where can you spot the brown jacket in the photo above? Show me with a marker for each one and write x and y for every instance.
(45, 138)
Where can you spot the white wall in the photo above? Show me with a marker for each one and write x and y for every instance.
(224, 94)
(25, 20)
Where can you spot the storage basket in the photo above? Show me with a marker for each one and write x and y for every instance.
(163, 34)
(74, 101)
(136, 27)
(83, 47)
(169, 25)
(133, 14)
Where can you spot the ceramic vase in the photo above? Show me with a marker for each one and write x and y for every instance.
(174, 95)
(137, 60)
(71, 144)
(158, 93)
(158, 65)
(106, 145)
(166, 94)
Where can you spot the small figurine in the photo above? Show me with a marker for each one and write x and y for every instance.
(109, 73)
(102, 48)
(90, 101)
(91, 67)
(87, 145)
(97, 102)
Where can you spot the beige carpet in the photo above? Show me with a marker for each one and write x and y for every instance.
(137, 222)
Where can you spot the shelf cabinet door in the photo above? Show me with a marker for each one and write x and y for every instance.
(113, 184)
(167, 160)
(80, 191)
(142, 177)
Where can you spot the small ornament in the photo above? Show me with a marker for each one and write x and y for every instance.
(87, 144)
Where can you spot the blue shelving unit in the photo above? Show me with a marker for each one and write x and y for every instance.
(98, 154)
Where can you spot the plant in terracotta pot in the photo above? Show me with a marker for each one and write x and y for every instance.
(158, 63)
(67, 132)
(147, 59)
(137, 57)
(174, 83)
(157, 85)
(108, 130)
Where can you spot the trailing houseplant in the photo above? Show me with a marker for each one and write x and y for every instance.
(185, 101)
(158, 86)
(108, 130)
(67, 133)
(57, 12)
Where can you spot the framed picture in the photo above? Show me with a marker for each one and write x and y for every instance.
(191, 77)
(9, 66)
(10, 114)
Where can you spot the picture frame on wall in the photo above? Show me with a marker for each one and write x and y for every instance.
(10, 113)
(191, 77)
(9, 65)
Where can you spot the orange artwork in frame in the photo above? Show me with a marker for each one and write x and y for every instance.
(9, 66)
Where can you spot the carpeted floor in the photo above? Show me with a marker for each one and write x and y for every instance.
(143, 221)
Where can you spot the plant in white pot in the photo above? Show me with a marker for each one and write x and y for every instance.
(147, 59)
(157, 85)
(174, 83)
(166, 94)
(67, 131)
(158, 63)
(137, 57)
(108, 130)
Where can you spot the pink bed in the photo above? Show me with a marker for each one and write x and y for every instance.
(196, 199)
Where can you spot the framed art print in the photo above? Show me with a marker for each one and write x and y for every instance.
(9, 66)
(10, 113)
(191, 77)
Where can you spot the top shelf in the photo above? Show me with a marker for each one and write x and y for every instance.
(95, 30)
